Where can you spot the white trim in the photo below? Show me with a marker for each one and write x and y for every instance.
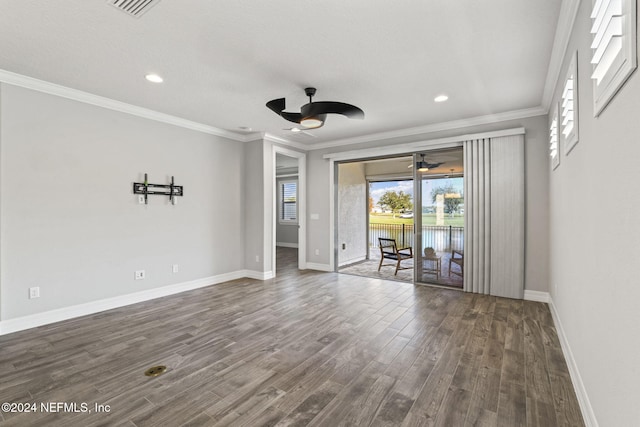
(60, 314)
(286, 245)
(436, 127)
(454, 124)
(588, 414)
(536, 296)
(89, 98)
(258, 275)
(101, 101)
(333, 236)
(411, 147)
(319, 267)
(564, 28)
(279, 140)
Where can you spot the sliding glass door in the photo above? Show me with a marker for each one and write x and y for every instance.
(439, 217)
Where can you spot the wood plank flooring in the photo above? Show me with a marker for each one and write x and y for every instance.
(307, 348)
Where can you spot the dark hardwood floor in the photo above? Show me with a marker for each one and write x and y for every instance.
(306, 348)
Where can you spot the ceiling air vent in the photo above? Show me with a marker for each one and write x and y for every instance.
(135, 8)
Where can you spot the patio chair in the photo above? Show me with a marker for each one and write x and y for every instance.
(457, 261)
(389, 250)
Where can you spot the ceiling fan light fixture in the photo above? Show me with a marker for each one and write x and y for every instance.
(422, 166)
(311, 122)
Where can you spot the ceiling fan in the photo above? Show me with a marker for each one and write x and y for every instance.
(314, 114)
(424, 166)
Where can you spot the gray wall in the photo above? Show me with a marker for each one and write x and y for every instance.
(536, 176)
(70, 223)
(595, 242)
(253, 193)
(352, 213)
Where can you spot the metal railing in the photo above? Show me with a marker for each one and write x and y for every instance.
(438, 237)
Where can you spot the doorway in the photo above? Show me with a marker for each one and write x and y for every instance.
(431, 223)
(374, 200)
(289, 226)
(439, 217)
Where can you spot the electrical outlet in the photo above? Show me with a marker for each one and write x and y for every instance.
(344, 246)
(139, 275)
(257, 258)
(174, 268)
(141, 199)
(317, 251)
(34, 292)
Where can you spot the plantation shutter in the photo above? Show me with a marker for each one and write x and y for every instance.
(613, 47)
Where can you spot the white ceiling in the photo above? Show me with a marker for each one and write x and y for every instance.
(223, 60)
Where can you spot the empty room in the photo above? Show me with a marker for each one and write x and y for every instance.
(245, 213)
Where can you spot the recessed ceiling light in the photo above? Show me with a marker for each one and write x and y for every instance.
(441, 98)
(295, 130)
(154, 78)
(245, 128)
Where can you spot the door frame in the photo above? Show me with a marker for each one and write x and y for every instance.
(301, 201)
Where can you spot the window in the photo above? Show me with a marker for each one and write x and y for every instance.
(569, 107)
(288, 201)
(613, 46)
(554, 141)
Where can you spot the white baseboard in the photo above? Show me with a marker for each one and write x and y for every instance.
(39, 319)
(588, 414)
(319, 267)
(287, 245)
(259, 275)
(536, 296)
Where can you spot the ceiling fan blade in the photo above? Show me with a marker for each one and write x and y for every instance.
(434, 165)
(276, 105)
(329, 107)
(292, 117)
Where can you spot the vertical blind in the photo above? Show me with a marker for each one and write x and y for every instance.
(288, 200)
(494, 216)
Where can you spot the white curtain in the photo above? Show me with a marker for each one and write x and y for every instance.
(494, 216)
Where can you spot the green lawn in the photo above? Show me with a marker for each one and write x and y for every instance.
(427, 219)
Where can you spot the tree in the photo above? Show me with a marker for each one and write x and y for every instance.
(370, 204)
(450, 203)
(396, 202)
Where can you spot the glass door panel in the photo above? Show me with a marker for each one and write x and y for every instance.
(439, 217)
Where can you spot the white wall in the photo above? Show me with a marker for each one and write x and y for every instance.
(536, 176)
(70, 223)
(595, 242)
(352, 213)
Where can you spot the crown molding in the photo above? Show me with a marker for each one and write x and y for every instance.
(454, 124)
(88, 98)
(283, 141)
(412, 147)
(566, 21)
(100, 101)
